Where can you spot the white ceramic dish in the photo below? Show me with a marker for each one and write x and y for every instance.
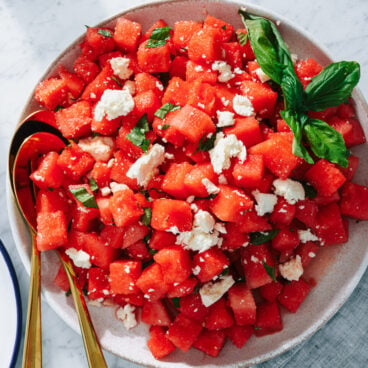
(338, 269)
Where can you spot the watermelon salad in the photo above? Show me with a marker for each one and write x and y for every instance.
(205, 169)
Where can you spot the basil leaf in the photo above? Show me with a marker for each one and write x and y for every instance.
(243, 38)
(116, 80)
(297, 147)
(165, 126)
(146, 217)
(105, 33)
(95, 134)
(292, 90)
(268, 46)
(332, 86)
(158, 37)
(176, 302)
(224, 27)
(262, 236)
(93, 185)
(326, 142)
(137, 135)
(270, 271)
(206, 144)
(58, 107)
(87, 199)
(164, 109)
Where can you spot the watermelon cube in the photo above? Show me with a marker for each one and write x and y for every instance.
(243, 305)
(124, 275)
(293, 294)
(354, 201)
(158, 343)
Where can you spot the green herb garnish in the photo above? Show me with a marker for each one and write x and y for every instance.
(165, 126)
(137, 135)
(158, 37)
(243, 38)
(68, 292)
(270, 271)
(116, 80)
(146, 217)
(164, 109)
(58, 107)
(176, 302)
(87, 199)
(261, 237)
(93, 185)
(205, 144)
(105, 33)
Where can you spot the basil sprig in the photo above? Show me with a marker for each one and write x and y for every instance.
(331, 87)
(270, 271)
(147, 215)
(137, 135)
(261, 237)
(158, 37)
(165, 109)
(105, 33)
(205, 143)
(87, 199)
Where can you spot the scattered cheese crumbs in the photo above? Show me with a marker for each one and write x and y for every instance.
(204, 221)
(311, 254)
(290, 189)
(79, 257)
(169, 156)
(237, 70)
(105, 191)
(114, 103)
(224, 149)
(116, 187)
(292, 270)
(263, 77)
(222, 179)
(220, 228)
(127, 316)
(210, 187)
(265, 202)
(307, 235)
(130, 87)
(120, 67)
(190, 199)
(145, 167)
(224, 70)
(212, 292)
(159, 86)
(174, 230)
(96, 302)
(100, 148)
(198, 68)
(242, 106)
(224, 101)
(225, 119)
(196, 270)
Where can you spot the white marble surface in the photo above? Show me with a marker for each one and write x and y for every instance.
(32, 35)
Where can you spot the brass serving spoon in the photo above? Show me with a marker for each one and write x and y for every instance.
(31, 139)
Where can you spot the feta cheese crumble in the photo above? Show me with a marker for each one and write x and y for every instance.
(127, 316)
(212, 292)
(292, 270)
(224, 149)
(100, 148)
(210, 187)
(114, 103)
(145, 167)
(224, 70)
(116, 187)
(243, 106)
(290, 189)
(79, 257)
(265, 202)
(120, 67)
(307, 235)
(225, 119)
(263, 77)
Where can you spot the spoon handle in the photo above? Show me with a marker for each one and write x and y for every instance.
(92, 347)
(32, 352)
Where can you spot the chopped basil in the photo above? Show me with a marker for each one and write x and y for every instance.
(224, 272)
(116, 80)
(146, 217)
(224, 27)
(257, 328)
(50, 189)
(310, 192)
(206, 144)
(158, 37)
(68, 292)
(261, 237)
(105, 33)
(147, 264)
(331, 87)
(147, 238)
(58, 107)
(164, 109)
(165, 126)
(95, 134)
(176, 302)
(93, 185)
(137, 135)
(243, 38)
(87, 199)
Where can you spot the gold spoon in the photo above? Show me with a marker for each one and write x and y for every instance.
(31, 139)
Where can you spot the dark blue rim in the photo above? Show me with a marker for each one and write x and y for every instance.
(13, 276)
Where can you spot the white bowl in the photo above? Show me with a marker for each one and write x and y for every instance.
(337, 269)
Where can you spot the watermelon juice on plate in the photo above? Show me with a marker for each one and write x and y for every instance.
(207, 167)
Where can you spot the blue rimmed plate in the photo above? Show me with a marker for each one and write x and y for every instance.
(10, 311)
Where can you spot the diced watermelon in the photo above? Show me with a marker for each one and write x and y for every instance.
(202, 72)
(51, 230)
(158, 343)
(247, 130)
(98, 284)
(242, 303)
(161, 239)
(178, 67)
(178, 290)
(354, 201)
(51, 93)
(234, 239)
(173, 183)
(246, 50)
(183, 32)
(219, 316)
(154, 313)
(224, 29)
(85, 219)
(85, 69)
(192, 307)
(268, 319)
(127, 33)
(154, 59)
(146, 82)
(349, 172)
(146, 103)
(307, 251)
(283, 212)
(250, 222)
(61, 279)
(270, 291)
(293, 294)
(139, 252)
(194, 179)
(72, 81)
(239, 335)
(124, 275)
(286, 240)
(306, 212)
(249, 173)
(307, 69)
(176, 92)
(98, 41)
(233, 54)
(210, 342)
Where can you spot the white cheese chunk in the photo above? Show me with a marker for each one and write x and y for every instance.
(224, 149)
(225, 119)
(222, 179)
(120, 67)
(127, 316)
(117, 187)
(204, 221)
(263, 77)
(146, 166)
(113, 104)
(79, 257)
(210, 187)
(212, 292)
(292, 270)
(307, 235)
(290, 189)
(100, 148)
(224, 70)
(243, 106)
(265, 202)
